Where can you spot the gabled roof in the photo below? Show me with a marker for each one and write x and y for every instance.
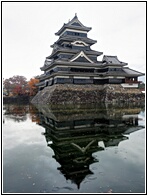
(73, 52)
(73, 24)
(112, 60)
(81, 54)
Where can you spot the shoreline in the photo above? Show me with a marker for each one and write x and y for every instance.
(80, 94)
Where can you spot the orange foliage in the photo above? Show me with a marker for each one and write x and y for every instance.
(32, 86)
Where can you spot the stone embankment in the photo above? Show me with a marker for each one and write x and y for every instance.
(70, 93)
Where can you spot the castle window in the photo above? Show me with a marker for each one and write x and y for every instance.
(75, 34)
(82, 70)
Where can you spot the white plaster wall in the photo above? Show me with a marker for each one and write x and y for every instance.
(126, 85)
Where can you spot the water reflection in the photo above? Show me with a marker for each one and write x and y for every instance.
(74, 133)
(18, 113)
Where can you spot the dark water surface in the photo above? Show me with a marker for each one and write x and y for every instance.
(73, 149)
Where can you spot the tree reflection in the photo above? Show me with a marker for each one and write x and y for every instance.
(34, 114)
(18, 113)
(75, 133)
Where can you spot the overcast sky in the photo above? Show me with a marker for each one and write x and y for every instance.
(28, 30)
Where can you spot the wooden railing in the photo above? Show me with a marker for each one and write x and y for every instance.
(132, 82)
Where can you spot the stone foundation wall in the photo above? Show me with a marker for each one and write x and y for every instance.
(70, 93)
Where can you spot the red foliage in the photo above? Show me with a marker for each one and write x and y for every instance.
(16, 85)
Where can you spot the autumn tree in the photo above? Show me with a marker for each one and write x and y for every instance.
(32, 86)
(17, 85)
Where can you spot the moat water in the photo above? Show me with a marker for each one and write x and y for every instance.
(73, 149)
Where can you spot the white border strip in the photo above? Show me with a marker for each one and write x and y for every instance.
(61, 77)
(81, 77)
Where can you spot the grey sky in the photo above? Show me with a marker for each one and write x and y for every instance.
(28, 30)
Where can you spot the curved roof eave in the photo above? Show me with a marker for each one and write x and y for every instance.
(71, 38)
(72, 27)
(92, 52)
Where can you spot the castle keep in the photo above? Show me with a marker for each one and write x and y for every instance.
(73, 66)
(74, 62)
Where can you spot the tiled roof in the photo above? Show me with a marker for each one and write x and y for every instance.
(132, 72)
(74, 24)
(116, 73)
(112, 60)
(73, 51)
(75, 38)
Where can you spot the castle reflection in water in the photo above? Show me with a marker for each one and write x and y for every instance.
(75, 132)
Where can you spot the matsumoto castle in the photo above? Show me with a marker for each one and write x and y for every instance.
(72, 61)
